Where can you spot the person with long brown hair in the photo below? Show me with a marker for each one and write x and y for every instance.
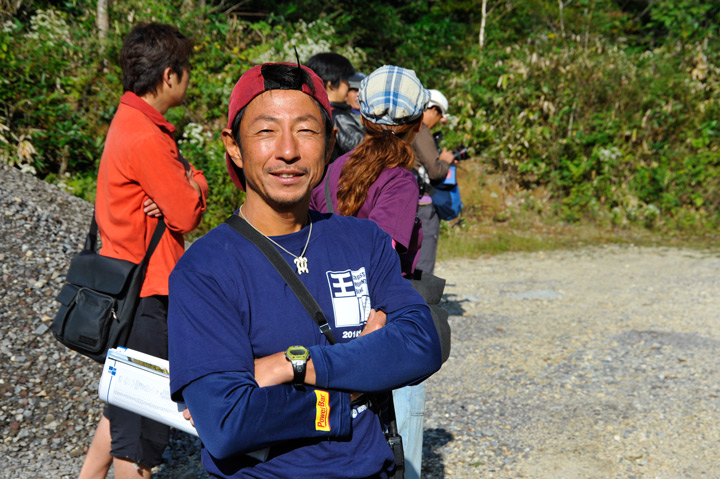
(374, 180)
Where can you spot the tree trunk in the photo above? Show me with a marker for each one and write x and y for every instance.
(102, 21)
(483, 21)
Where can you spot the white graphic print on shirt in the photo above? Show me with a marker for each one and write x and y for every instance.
(350, 297)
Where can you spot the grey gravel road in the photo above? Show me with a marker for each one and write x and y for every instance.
(592, 363)
(595, 363)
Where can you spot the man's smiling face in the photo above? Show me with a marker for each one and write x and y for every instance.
(283, 149)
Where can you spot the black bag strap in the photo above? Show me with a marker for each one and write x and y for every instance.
(157, 234)
(328, 199)
(309, 303)
(91, 238)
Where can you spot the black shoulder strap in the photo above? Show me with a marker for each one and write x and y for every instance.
(157, 234)
(328, 199)
(282, 267)
(91, 238)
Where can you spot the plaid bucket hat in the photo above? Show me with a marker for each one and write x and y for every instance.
(392, 95)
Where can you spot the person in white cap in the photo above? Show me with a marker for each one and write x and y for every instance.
(431, 166)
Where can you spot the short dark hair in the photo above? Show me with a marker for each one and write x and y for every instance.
(331, 67)
(147, 51)
(285, 77)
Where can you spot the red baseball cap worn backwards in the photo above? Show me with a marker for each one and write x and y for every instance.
(251, 84)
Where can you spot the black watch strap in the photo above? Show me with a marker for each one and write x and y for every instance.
(299, 369)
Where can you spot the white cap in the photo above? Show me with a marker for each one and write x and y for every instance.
(439, 100)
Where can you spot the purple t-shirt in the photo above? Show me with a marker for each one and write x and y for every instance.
(391, 203)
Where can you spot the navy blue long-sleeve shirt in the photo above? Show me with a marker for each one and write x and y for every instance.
(228, 306)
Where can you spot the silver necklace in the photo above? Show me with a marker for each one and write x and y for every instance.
(301, 262)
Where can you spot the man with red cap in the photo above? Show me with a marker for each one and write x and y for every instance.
(268, 394)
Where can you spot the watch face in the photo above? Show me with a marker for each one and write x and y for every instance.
(297, 352)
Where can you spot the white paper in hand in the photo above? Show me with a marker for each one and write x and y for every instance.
(140, 383)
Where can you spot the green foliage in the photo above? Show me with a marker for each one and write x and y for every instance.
(48, 94)
(629, 136)
(683, 19)
(606, 109)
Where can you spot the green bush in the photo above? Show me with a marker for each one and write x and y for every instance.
(48, 92)
(606, 129)
(610, 109)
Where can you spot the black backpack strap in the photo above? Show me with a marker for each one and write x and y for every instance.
(328, 199)
(282, 267)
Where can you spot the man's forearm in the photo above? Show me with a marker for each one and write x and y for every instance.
(276, 369)
(233, 416)
(436, 168)
(404, 351)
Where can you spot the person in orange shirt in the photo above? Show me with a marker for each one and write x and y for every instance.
(143, 176)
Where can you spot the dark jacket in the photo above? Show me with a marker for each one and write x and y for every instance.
(349, 134)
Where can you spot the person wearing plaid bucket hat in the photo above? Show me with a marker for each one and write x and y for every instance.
(374, 181)
(268, 394)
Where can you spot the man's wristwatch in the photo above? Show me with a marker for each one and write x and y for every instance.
(298, 356)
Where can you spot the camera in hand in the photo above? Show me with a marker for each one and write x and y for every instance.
(459, 153)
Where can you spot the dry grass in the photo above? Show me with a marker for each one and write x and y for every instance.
(500, 217)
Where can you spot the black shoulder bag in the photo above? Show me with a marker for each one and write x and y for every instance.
(99, 298)
(386, 408)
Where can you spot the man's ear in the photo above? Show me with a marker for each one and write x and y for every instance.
(167, 73)
(330, 145)
(232, 148)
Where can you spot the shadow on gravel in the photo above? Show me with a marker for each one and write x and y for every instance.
(433, 441)
(453, 304)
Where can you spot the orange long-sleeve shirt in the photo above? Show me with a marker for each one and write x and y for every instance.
(141, 161)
